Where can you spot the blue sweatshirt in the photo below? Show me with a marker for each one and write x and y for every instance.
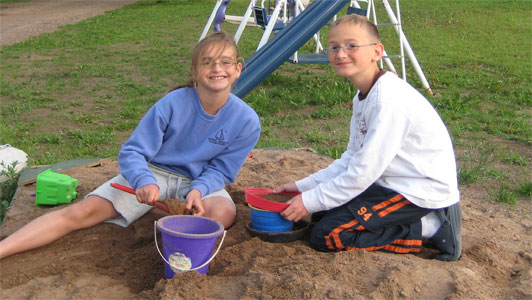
(177, 135)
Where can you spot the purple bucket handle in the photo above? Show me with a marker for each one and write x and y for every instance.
(220, 16)
(177, 268)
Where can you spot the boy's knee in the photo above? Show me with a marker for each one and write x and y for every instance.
(319, 236)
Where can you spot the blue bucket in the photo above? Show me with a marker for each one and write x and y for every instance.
(269, 221)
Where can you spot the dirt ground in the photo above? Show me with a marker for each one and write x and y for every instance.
(110, 262)
(22, 20)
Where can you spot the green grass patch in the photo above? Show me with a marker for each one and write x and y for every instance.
(80, 91)
(524, 189)
(503, 194)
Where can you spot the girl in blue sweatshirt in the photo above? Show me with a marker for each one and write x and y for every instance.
(188, 146)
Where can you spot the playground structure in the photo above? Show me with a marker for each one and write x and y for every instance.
(293, 23)
(270, 22)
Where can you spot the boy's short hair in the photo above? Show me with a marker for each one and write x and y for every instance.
(364, 22)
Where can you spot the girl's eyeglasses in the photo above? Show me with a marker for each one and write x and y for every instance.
(348, 48)
(224, 64)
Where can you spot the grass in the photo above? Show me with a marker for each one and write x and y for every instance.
(80, 91)
(503, 194)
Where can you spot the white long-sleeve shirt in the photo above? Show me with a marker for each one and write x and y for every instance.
(398, 141)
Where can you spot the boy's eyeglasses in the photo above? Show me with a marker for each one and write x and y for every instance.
(224, 64)
(348, 48)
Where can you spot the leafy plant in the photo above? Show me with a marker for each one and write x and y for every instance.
(8, 187)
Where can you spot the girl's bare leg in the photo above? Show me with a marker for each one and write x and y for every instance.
(220, 209)
(51, 226)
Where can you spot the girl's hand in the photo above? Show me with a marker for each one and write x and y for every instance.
(194, 201)
(147, 194)
(296, 211)
(287, 187)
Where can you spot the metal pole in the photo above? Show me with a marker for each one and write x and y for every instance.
(401, 45)
(371, 8)
(408, 49)
(271, 24)
(244, 21)
(211, 19)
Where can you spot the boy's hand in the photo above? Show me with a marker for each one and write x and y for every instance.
(194, 201)
(287, 187)
(296, 211)
(147, 194)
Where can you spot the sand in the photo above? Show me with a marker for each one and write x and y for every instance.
(110, 262)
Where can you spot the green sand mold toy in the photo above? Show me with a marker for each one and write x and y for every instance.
(55, 188)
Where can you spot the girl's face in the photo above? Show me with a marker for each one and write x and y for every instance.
(218, 69)
(355, 53)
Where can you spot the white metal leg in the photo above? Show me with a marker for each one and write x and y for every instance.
(407, 47)
(271, 24)
(371, 13)
(211, 19)
(244, 22)
(401, 44)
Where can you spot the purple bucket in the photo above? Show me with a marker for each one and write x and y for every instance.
(188, 243)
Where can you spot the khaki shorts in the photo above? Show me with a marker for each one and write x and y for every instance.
(171, 185)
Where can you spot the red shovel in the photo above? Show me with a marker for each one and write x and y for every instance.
(124, 188)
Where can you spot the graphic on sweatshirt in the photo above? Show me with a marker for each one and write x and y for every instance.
(219, 138)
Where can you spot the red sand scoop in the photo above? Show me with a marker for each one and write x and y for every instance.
(124, 188)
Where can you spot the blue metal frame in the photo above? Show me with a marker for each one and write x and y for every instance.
(285, 43)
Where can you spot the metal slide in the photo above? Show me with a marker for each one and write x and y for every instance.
(276, 51)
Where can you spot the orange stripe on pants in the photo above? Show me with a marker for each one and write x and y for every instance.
(401, 250)
(393, 208)
(392, 248)
(409, 242)
(387, 202)
(335, 234)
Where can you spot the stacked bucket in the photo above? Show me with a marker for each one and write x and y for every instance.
(265, 214)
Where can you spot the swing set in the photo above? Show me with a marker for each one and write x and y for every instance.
(276, 18)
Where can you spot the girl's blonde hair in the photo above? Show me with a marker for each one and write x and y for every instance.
(362, 21)
(222, 39)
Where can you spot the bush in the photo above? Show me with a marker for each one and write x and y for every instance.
(8, 187)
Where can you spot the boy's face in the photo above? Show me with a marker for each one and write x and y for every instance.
(357, 63)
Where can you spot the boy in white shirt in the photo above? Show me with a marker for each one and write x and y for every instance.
(395, 186)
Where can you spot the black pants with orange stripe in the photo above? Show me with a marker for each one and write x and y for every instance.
(378, 219)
